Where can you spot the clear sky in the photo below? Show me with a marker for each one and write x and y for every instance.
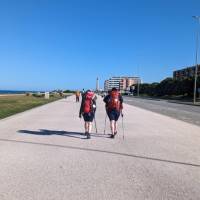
(51, 44)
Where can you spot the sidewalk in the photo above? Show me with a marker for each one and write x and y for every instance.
(43, 155)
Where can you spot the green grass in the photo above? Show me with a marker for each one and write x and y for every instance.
(10, 105)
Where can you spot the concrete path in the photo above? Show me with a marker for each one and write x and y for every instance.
(43, 156)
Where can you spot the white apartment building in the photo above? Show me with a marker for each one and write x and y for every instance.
(106, 85)
(122, 83)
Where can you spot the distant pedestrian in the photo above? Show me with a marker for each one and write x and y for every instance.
(77, 96)
(87, 110)
(114, 106)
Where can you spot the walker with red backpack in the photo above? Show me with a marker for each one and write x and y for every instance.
(115, 104)
(89, 105)
(88, 102)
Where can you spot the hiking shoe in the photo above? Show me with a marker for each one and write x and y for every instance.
(88, 135)
(115, 133)
(112, 136)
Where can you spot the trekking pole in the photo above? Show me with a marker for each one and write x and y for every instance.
(122, 124)
(95, 124)
(105, 125)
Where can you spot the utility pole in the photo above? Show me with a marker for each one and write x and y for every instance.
(138, 87)
(196, 68)
(138, 84)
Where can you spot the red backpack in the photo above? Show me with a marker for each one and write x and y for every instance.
(114, 102)
(87, 106)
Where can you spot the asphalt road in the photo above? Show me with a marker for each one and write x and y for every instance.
(187, 113)
(44, 156)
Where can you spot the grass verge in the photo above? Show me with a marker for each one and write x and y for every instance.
(10, 105)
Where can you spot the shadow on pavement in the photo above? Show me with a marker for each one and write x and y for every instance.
(103, 151)
(61, 133)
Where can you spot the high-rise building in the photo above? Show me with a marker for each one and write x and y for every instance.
(122, 83)
(114, 82)
(106, 85)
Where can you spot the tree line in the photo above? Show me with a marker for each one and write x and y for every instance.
(170, 87)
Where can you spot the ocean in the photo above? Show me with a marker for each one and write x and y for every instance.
(15, 92)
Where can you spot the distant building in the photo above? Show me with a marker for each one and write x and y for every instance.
(187, 72)
(122, 83)
(114, 82)
(106, 85)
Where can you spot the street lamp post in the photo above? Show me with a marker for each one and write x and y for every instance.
(138, 82)
(196, 68)
(138, 88)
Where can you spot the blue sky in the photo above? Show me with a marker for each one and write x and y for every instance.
(66, 44)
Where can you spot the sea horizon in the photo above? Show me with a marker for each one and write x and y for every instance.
(16, 91)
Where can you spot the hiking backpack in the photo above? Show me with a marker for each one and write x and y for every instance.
(88, 102)
(114, 102)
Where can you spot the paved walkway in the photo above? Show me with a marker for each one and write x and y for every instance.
(43, 156)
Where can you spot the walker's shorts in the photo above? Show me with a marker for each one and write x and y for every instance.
(113, 115)
(88, 117)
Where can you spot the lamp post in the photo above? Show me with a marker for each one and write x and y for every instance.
(138, 83)
(138, 87)
(196, 68)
